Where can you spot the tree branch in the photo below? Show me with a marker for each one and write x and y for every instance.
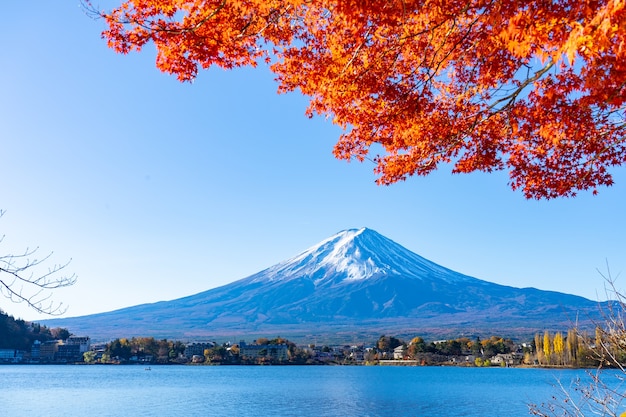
(23, 281)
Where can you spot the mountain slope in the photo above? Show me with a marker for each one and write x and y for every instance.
(356, 282)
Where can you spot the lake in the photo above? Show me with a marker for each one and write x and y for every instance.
(258, 391)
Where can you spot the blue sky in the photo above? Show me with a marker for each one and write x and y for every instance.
(157, 190)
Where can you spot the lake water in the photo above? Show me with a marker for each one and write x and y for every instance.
(258, 391)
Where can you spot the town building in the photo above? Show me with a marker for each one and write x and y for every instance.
(68, 353)
(83, 343)
(11, 356)
(35, 352)
(47, 350)
(278, 352)
(198, 348)
(72, 349)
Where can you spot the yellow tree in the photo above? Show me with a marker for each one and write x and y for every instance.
(537, 88)
(598, 394)
(558, 346)
(546, 346)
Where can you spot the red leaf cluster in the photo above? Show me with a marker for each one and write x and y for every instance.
(537, 88)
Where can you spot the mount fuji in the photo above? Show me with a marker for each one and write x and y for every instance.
(352, 285)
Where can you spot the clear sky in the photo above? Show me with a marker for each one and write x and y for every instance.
(157, 190)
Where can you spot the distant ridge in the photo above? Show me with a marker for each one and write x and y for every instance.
(354, 284)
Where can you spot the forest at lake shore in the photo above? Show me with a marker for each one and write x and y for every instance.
(34, 343)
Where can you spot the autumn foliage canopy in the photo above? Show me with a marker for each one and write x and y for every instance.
(537, 88)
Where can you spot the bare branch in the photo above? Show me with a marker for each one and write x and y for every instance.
(24, 279)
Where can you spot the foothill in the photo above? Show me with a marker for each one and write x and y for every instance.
(30, 343)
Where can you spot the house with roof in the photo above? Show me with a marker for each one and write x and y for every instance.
(399, 352)
(506, 359)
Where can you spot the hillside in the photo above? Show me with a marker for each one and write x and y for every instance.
(352, 285)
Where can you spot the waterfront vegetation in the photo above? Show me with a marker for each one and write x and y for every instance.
(19, 338)
(19, 334)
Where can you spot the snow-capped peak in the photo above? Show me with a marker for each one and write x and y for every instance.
(338, 252)
(354, 255)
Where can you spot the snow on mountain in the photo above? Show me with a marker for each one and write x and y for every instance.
(354, 255)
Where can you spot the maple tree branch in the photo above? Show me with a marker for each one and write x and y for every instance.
(355, 54)
(452, 83)
(150, 25)
(513, 96)
(432, 32)
(208, 17)
(590, 161)
(480, 117)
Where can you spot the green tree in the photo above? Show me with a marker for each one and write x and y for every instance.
(416, 346)
(476, 347)
(489, 348)
(215, 354)
(60, 333)
(450, 348)
(145, 346)
(119, 348)
(14, 334)
(387, 343)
